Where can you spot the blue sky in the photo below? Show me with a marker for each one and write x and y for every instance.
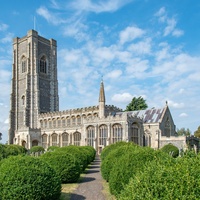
(147, 48)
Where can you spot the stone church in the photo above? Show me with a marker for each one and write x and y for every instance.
(35, 118)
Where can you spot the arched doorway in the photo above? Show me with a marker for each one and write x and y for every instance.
(34, 143)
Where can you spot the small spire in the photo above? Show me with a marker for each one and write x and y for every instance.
(166, 103)
(102, 93)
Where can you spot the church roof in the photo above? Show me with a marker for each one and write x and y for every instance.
(149, 116)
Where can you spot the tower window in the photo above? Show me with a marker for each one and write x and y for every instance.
(43, 65)
(23, 63)
(23, 100)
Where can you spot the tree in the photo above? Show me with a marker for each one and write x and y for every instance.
(197, 132)
(136, 104)
(183, 131)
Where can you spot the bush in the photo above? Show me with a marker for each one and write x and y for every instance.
(171, 150)
(14, 149)
(66, 165)
(80, 155)
(37, 149)
(175, 179)
(110, 148)
(111, 158)
(52, 148)
(25, 177)
(133, 161)
(2, 151)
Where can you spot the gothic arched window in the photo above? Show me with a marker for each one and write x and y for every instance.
(65, 139)
(23, 100)
(23, 63)
(117, 133)
(54, 139)
(103, 135)
(77, 138)
(43, 65)
(44, 141)
(167, 129)
(134, 136)
(90, 136)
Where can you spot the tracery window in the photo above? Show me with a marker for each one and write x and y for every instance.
(54, 139)
(43, 65)
(44, 141)
(103, 135)
(65, 139)
(73, 120)
(54, 123)
(78, 120)
(59, 123)
(77, 138)
(90, 136)
(63, 122)
(68, 121)
(167, 128)
(23, 63)
(117, 133)
(134, 135)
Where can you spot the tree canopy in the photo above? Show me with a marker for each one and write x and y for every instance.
(137, 103)
(184, 132)
(197, 132)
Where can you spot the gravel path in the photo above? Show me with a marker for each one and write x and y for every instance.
(91, 186)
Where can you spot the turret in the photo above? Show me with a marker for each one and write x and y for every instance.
(102, 101)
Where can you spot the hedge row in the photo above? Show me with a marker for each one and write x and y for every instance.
(135, 172)
(28, 177)
(25, 177)
(11, 150)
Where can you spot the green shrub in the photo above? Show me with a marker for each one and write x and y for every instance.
(25, 177)
(174, 179)
(110, 148)
(80, 155)
(14, 149)
(52, 148)
(171, 150)
(90, 151)
(133, 161)
(37, 149)
(111, 158)
(66, 165)
(2, 151)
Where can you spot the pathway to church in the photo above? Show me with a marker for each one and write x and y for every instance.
(91, 186)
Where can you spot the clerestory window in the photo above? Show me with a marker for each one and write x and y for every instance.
(43, 65)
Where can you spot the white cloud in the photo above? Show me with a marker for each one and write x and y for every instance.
(99, 6)
(142, 47)
(122, 98)
(171, 24)
(183, 115)
(130, 33)
(3, 27)
(175, 104)
(49, 16)
(8, 38)
(177, 32)
(114, 74)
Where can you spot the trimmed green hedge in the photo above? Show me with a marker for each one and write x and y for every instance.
(171, 150)
(126, 166)
(25, 177)
(110, 148)
(66, 165)
(114, 155)
(174, 179)
(36, 149)
(14, 149)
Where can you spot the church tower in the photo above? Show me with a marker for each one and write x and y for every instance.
(102, 101)
(34, 84)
